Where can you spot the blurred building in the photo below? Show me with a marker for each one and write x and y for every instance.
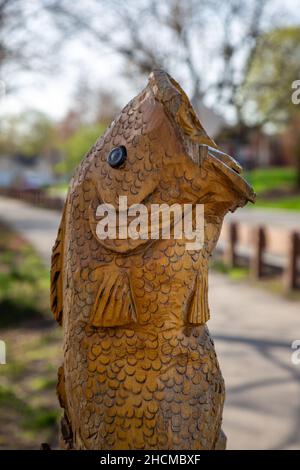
(23, 172)
(251, 147)
(254, 148)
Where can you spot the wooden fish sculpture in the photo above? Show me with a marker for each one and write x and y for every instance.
(140, 369)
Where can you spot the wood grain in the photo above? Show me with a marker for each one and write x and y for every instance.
(139, 368)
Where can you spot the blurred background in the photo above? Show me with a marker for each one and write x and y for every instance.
(66, 69)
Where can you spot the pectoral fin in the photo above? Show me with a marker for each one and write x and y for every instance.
(114, 304)
(198, 308)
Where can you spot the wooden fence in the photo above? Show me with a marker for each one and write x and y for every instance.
(36, 197)
(267, 250)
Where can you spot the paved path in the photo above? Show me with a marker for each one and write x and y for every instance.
(39, 226)
(253, 332)
(273, 217)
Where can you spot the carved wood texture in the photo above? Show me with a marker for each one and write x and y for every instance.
(139, 368)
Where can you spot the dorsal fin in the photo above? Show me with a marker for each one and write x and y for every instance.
(56, 291)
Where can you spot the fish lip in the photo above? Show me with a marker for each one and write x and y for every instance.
(168, 92)
(230, 168)
(225, 158)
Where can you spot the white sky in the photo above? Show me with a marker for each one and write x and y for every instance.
(53, 93)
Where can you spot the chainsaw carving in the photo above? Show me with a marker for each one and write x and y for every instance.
(140, 369)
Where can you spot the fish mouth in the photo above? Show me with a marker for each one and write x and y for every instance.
(230, 168)
(223, 157)
(199, 146)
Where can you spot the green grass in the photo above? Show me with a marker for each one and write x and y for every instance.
(287, 203)
(24, 281)
(267, 179)
(58, 190)
(29, 408)
(235, 273)
(275, 188)
(32, 418)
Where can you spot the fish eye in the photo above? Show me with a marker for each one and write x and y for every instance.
(117, 156)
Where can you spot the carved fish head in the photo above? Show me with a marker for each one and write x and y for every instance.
(156, 151)
(159, 131)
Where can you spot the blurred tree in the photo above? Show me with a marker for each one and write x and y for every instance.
(266, 94)
(211, 46)
(91, 104)
(69, 124)
(76, 145)
(38, 133)
(267, 86)
(8, 144)
(91, 111)
(31, 133)
(177, 36)
(28, 41)
(106, 107)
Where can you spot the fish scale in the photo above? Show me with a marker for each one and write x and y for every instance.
(139, 368)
